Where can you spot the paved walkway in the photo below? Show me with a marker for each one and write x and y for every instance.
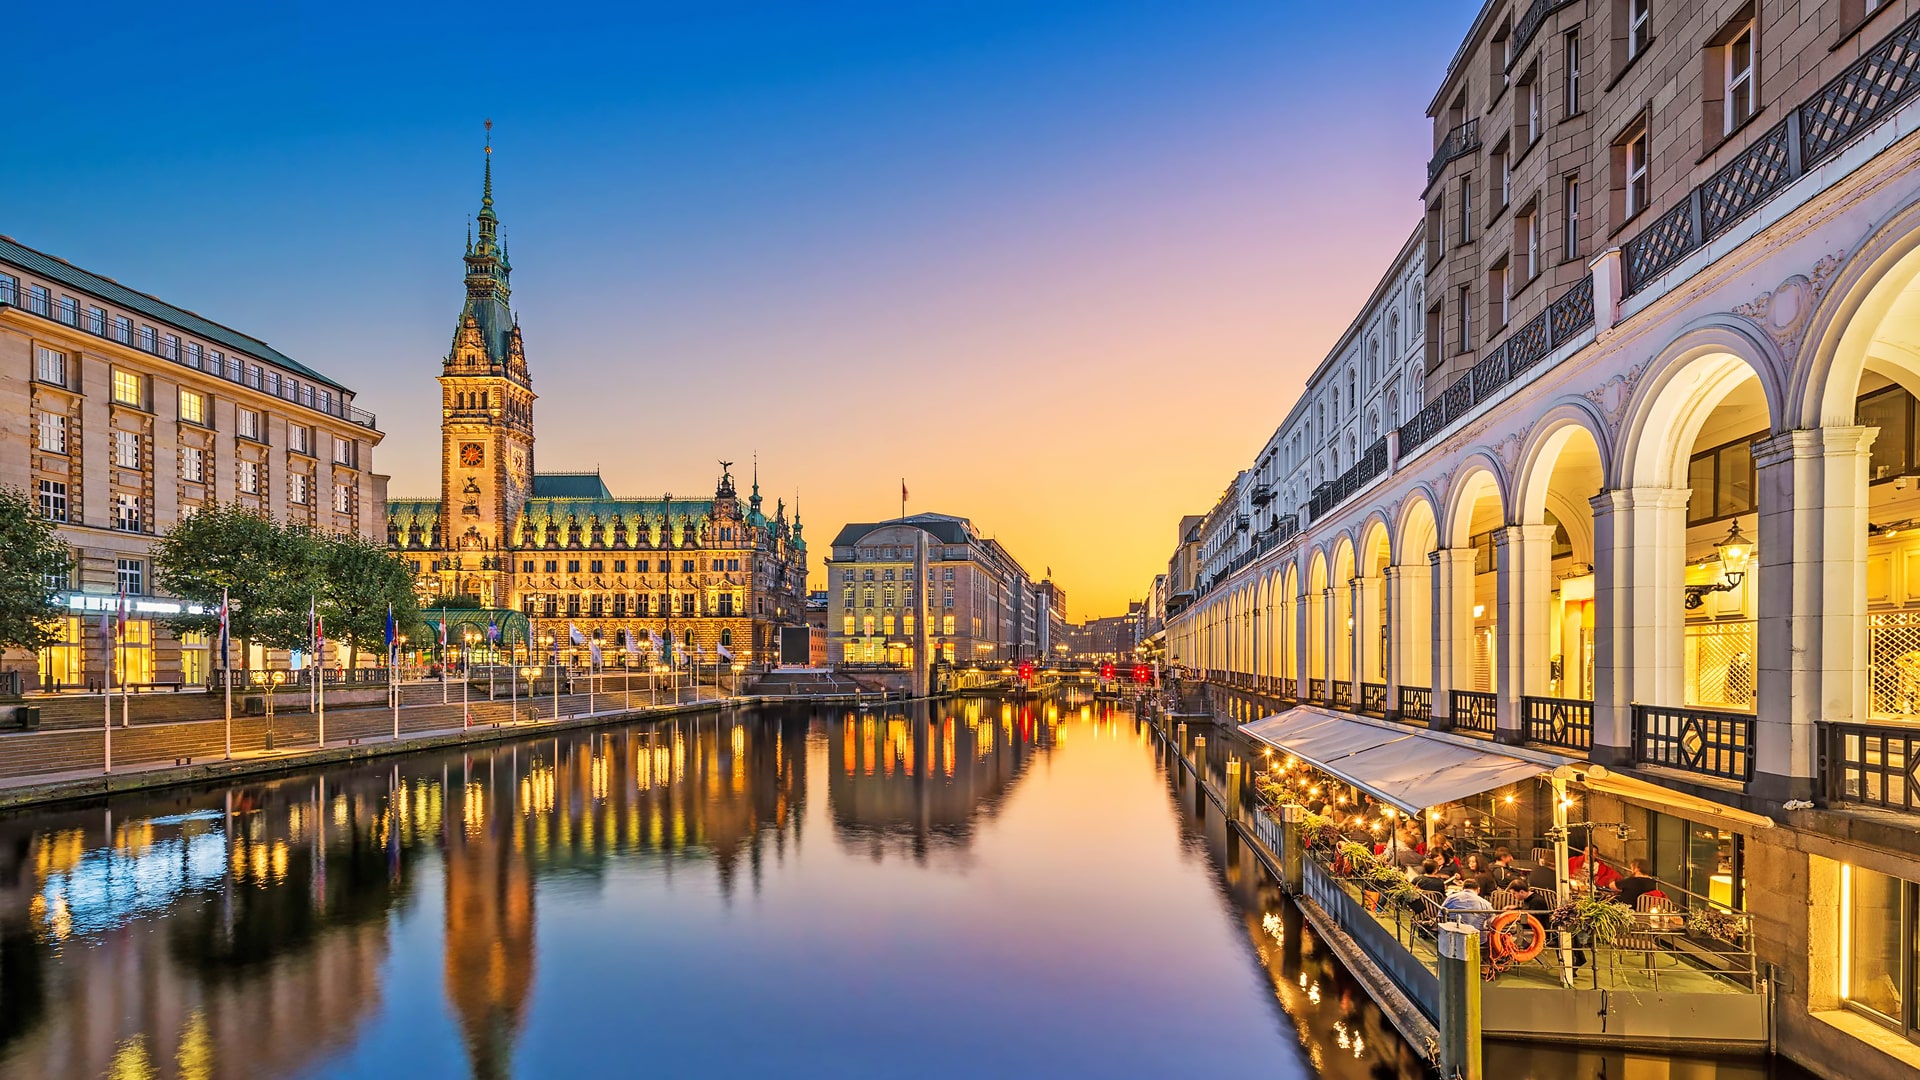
(63, 764)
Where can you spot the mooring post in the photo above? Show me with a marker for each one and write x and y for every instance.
(1459, 1002)
(1291, 815)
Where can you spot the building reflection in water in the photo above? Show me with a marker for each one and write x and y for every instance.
(916, 781)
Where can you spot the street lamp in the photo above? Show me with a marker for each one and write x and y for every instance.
(531, 673)
(1735, 553)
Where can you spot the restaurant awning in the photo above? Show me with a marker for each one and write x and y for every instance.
(1395, 765)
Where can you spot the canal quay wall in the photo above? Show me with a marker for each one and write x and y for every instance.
(30, 791)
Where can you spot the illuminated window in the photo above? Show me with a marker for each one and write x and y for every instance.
(193, 407)
(129, 388)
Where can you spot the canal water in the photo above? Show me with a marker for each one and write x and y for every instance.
(975, 888)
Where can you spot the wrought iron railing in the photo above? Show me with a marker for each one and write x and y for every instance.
(1459, 142)
(1705, 741)
(1529, 25)
(1341, 488)
(1342, 694)
(1317, 690)
(1474, 711)
(1416, 704)
(233, 369)
(1563, 722)
(1868, 91)
(1874, 764)
(1261, 495)
(1285, 688)
(1571, 313)
(1373, 699)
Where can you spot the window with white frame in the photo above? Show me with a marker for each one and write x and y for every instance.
(193, 464)
(300, 439)
(1570, 217)
(53, 500)
(1639, 26)
(1632, 157)
(50, 365)
(250, 477)
(1503, 166)
(1740, 79)
(129, 388)
(1466, 209)
(1570, 64)
(130, 576)
(342, 451)
(246, 423)
(53, 433)
(297, 489)
(193, 406)
(342, 499)
(1527, 239)
(127, 515)
(126, 449)
(1500, 293)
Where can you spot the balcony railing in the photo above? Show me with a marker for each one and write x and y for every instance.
(1547, 331)
(1317, 690)
(1341, 488)
(1261, 495)
(1473, 711)
(1459, 142)
(233, 370)
(1342, 694)
(1373, 699)
(1705, 741)
(1874, 764)
(1563, 722)
(1871, 89)
(1285, 688)
(1529, 25)
(1416, 704)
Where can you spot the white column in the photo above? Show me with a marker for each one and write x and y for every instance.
(1452, 627)
(1302, 646)
(1812, 555)
(1412, 615)
(1639, 602)
(1329, 635)
(1393, 583)
(1523, 563)
(1366, 632)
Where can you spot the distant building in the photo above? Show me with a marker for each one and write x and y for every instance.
(979, 602)
(1052, 620)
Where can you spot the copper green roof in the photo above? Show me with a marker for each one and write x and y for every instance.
(54, 268)
(582, 485)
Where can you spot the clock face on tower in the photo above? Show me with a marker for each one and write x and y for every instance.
(471, 455)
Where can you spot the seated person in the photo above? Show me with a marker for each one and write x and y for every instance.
(1528, 898)
(1430, 879)
(1604, 876)
(1503, 868)
(1636, 884)
(1467, 906)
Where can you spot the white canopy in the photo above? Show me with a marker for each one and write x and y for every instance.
(1396, 765)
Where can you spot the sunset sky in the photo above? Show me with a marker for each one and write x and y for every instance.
(1061, 266)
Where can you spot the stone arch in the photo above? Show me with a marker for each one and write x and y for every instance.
(1677, 391)
(1479, 477)
(1417, 535)
(1341, 621)
(1317, 577)
(1871, 288)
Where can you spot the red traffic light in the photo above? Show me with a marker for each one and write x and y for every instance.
(1142, 673)
(1026, 671)
(1106, 671)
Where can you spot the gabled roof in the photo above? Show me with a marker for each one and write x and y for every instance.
(54, 268)
(944, 527)
(573, 485)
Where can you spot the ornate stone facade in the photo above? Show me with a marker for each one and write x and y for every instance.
(559, 547)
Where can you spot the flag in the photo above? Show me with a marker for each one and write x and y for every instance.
(903, 489)
(393, 638)
(493, 631)
(724, 653)
(659, 647)
(593, 651)
(575, 636)
(226, 632)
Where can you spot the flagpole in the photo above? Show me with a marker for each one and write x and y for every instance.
(443, 655)
(319, 672)
(226, 669)
(393, 670)
(120, 633)
(106, 697)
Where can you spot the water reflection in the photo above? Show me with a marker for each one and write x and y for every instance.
(787, 890)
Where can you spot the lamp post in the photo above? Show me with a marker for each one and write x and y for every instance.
(1735, 553)
(531, 673)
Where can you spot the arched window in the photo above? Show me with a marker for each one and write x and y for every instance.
(1393, 409)
(1393, 338)
(1373, 427)
(1352, 397)
(1373, 362)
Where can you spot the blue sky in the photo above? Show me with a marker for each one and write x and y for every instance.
(986, 246)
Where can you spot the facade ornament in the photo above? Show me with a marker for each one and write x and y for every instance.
(1611, 397)
(1785, 312)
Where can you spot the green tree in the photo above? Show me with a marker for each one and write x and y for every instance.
(34, 564)
(271, 574)
(359, 580)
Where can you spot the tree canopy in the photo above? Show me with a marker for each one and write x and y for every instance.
(274, 574)
(34, 566)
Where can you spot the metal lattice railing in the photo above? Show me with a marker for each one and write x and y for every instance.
(1893, 664)
(1705, 741)
(1473, 711)
(1562, 722)
(1416, 704)
(1720, 663)
(1373, 698)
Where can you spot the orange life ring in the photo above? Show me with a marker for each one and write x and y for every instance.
(1502, 941)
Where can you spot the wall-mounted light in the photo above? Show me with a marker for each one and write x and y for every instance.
(1479, 611)
(1736, 551)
